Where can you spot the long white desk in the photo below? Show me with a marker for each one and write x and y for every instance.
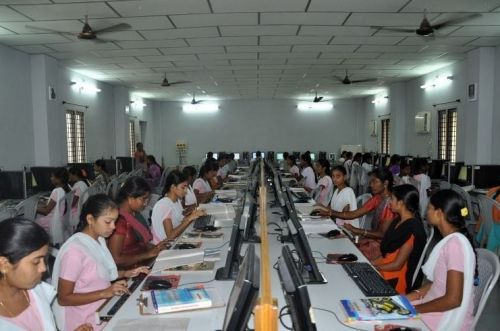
(326, 296)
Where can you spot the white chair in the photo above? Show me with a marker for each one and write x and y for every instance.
(146, 212)
(27, 207)
(470, 219)
(423, 257)
(57, 230)
(354, 177)
(68, 228)
(365, 221)
(7, 213)
(489, 270)
(486, 205)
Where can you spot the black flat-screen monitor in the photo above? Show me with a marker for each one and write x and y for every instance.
(126, 163)
(13, 184)
(111, 168)
(437, 169)
(41, 178)
(308, 264)
(250, 215)
(244, 293)
(486, 176)
(296, 294)
(88, 168)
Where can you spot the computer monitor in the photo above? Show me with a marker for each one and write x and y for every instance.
(111, 166)
(436, 169)
(262, 155)
(127, 163)
(41, 178)
(233, 258)
(295, 291)
(236, 156)
(279, 156)
(313, 156)
(13, 184)
(308, 264)
(216, 156)
(486, 176)
(244, 293)
(387, 161)
(88, 168)
(249, 233)
(462, 174)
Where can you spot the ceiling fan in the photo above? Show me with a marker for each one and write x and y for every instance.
(87, 32)
(166, 83)
(347, 81)
(426, 28)
(194, 101)
(316, 98)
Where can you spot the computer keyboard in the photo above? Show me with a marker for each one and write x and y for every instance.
(203, 221)
(301, 195)
(368, 280)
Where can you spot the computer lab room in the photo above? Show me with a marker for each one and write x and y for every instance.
(249, 165)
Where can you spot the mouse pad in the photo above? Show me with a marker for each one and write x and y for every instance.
(173, 279)
(334, 259)
(340, 235)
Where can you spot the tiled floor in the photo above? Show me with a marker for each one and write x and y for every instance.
(490, 318)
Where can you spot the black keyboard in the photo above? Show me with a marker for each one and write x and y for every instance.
(133, 286)
(301, 195)
(368, 280)
(203, 221)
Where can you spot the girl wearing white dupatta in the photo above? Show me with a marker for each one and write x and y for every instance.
(84, 268)
(24, 299)
(447, 303)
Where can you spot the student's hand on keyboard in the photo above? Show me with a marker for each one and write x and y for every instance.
(134, 272)
(118, 288)
(85, 327)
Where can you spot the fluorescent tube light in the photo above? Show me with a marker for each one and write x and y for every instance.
(204, 108)
(315, 106)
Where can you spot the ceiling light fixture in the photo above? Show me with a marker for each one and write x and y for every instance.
(379, 100)
(82, 86)
(437, 82)
(204, 108)
(315, 106)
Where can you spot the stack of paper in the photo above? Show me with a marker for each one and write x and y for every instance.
(318, 226)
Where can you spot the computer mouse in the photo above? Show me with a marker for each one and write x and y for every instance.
(333, 233)
(314, 213)
(209, 228)
(185, 246)
(159, 284)
(347, 258)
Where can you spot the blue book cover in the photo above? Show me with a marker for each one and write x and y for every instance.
(165, 301)
(378, 309)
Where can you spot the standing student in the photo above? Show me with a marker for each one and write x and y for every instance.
(59, 178)
(24, 299)
(201, 186)
(447, 301)
(101, 172)
(84, 268)
(292, 166)
(130, 243)
(343, 197)
(381, 185)
(404, 240)
(140, 156)
(153, 175)
(189, 202)
(307, 173)
(324, 187)
(424, 183)
(167, 218)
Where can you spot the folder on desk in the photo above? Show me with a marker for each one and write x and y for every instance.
(397, 307)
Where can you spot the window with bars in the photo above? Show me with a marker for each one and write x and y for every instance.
(131, 137)
(385, 136)
(447, 134)
(75, 136)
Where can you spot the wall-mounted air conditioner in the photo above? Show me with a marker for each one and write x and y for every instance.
(423, 122)
(372, 128)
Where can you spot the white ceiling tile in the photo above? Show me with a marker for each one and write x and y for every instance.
(197, 20)
(201, 63)
(385, 19)
(5, 31)
(180, 33)
(315, 30)
(408, 56)
(24, 2)
(192, 50)
(136, 23)
(240, 56)
(357, 5)
(153, 59)
(326, 55)
(259, 30)
(100, 60)
(68, 11)
(244, 6)
(34, 49)
(366, 40)
(324, 48)
(290, 40)
(73, 26)
(221, 41)
(452, 5)
(476, 31)
(312, 62)
(395, 49)
(128, 52)
(108, 66)
(120, 36)
(232, 67)
(392, 67)
(9, 15)
(262, 61)
(444, 31)
(310, 55)
(159, 7)
(486, 41)
(370, 61)
(437, 41)
(27, 39)
(484, 19)
(303, 18)
(80, 46)
(139, 65)
(152, 43)
(260, 49)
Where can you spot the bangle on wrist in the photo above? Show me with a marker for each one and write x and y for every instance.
(364, 233)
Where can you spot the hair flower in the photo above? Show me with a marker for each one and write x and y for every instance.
(464, 212)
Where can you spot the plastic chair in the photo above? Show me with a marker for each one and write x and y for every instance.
(7, 213)
(58, 229)
(470, 220)
(489, 270)
(27, 207)
(365, 221)
(423, 257)
(146, 212)
(487, 235)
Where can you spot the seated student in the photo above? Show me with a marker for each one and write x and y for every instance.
(201, 185)
(366, 162)
(343, 197)
(223, 170)
(404, 240)
(307, 173)
(447, 301)
(395, 165)
(325, 184)
(167, 218)
(25, 299)
(292, 166)
(153, 175)
(79, 185)
(381, 186)
(232, 164)
(286, 167)
(58, 178)
(348, 164)
(130, 243)
(101, 174)
(84, 268)
(189, 202)
(423, 182)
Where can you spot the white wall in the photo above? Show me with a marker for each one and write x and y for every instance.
(250, 125)
(16, 115)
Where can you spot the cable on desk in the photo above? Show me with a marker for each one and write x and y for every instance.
(217, 247)
(205, 282)
(337, 318)
(274, 223)
(320, 254)
(282, 314)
